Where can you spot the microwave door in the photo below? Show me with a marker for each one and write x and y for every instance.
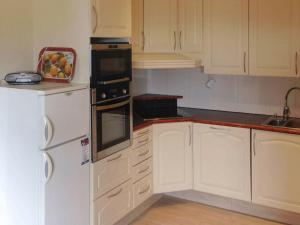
(111, 65)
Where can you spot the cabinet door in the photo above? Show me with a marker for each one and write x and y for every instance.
(275, 170)
(172, 157)
(114, 205)
(222, 161)
(111, 18)
(190, 26)
(138, 26)
(226, 36)
(160, 25)
(274, 37)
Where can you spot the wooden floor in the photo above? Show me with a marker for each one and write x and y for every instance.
(169, 211)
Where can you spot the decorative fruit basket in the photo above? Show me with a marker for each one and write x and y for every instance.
(57, 64)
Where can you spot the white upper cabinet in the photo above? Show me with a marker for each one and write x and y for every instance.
(111, 18)
(274, 37)
(172, 157)
(275, 170)
(226, 36)
(168, 26)
(190, 30)
(160, 25)
(222, 161)
(138, 36)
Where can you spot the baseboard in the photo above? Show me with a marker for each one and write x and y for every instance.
(239, 206)
(140, 210)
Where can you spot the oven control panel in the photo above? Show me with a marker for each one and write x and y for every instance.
(110, 92)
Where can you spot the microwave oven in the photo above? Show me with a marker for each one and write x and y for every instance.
(111, 60)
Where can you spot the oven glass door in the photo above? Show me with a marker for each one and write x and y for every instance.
(110, 65)
(113, 124)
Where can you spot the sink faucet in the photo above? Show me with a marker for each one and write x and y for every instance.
(286, 109)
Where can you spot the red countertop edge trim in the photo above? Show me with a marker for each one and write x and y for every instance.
(220, 123)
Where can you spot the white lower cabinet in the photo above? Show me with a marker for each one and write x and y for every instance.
(142, 190)
(222, 161)
(122, 181)
(110, 172)
(172, 157)
(213, 159)
(142, 170)
(114, 205)
(276, 170)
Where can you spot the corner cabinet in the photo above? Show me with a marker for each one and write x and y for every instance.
(222, 161)
(275, 170)
(111, 18)
(274, 37)
(172, 157)
(226, 36)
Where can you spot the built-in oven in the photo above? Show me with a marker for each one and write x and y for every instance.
(111, 119)
(111, 61)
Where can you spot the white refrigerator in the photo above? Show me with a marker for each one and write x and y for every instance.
(44, 160)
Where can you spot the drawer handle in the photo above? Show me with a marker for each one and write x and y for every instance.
(144, 170)
(146, 190)
(116, 194)
(220, 129)
(144, 153)
(113, 159)
(68, 93)
(143, 141)
(143, 133)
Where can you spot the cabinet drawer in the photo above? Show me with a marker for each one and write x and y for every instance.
(142, 137)
(141, 153)
(142, 190)
(143, 132)
(142, 169)
(111, 172)
(66, 117)
(114, 205)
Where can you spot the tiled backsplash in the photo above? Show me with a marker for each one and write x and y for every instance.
(263, 95)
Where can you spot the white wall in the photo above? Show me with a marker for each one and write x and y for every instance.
(16, 29)
(15, 36)
(263, 95)
(63, 24)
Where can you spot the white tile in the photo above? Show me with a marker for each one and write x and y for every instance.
(251, 94)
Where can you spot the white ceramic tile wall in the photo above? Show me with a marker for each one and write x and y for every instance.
(263, 95)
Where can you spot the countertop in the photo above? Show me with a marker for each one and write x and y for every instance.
(45, 88)
(151, 97)
(222, 118)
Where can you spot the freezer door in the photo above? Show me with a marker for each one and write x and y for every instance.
(66, 185)
(66, 117)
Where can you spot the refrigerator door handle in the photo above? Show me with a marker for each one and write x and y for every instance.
(48, 167)
(48, 132)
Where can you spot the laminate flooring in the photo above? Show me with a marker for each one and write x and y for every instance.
(169, 211)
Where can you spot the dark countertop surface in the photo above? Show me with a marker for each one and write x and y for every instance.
(151, 97)
(222, 118)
